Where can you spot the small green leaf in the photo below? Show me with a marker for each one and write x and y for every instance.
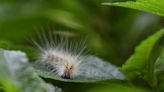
(152, 6)
(95, 70)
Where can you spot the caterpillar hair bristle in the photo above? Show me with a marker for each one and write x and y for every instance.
(59, 55)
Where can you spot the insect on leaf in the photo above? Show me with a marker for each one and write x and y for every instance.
(94, 69)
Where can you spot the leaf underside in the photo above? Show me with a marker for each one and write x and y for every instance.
(18, 76)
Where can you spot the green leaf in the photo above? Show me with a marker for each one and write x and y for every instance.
(18, 75)
(142, 52)
(95, 70)
(152, 6)
(142, 62)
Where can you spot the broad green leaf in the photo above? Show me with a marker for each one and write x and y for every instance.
(152, 6)
(142, 62)
(15, 70)
(95, 70)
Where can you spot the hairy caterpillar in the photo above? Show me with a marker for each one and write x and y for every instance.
(65, 58)
(59, 55)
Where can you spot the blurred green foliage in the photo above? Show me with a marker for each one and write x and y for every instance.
(112, 32)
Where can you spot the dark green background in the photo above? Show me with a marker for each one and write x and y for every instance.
(112, 32)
